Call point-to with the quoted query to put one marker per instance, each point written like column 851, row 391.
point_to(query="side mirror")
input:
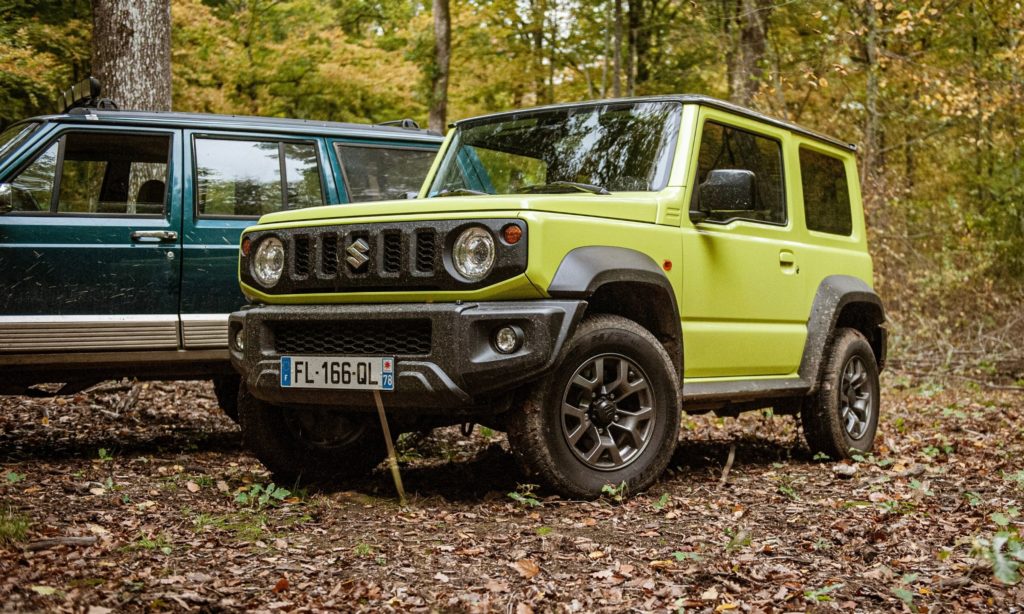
column 6, row 198
column 725, row 190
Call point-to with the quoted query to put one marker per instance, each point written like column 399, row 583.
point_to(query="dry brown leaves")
column 151, row 523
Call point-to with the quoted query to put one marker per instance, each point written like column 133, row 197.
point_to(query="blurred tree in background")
column 932, row 91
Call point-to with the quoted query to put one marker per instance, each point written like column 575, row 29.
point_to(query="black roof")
column 200, row 121
column 706, row 101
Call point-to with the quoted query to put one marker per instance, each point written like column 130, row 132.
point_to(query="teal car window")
column 99, row 172
column 722, row 147
column 382, row 173
column 826, row 193
column 114, row 173
column 14, row 136
column 622, row 146
column 32, row 189
column 238, row 177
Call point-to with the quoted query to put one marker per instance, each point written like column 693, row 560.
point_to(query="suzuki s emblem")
column 357, row 254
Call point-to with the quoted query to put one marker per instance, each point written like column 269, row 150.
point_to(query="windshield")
column 622, row 146
column 14, row 136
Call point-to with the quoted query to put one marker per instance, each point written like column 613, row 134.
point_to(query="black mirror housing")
column 727, row 190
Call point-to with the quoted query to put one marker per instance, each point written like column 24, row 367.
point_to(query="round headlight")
column 268, row 263
column 473, row 254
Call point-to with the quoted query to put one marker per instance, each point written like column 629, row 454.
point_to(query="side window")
column 826, row 193
column 237, row 177
column 722, row 147
column 382, row 173
column 99, row 172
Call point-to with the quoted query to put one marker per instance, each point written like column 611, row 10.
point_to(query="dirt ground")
column 125, row 498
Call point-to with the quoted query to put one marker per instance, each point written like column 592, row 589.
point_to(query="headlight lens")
column 268, row 263
column 473, row 254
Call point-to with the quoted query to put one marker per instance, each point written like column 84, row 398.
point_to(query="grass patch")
column 13, row 527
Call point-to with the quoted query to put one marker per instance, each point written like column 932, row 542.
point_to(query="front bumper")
column 459, row 370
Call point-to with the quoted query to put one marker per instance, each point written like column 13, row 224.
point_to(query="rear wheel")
column 608, row 414
column 310, row 445
column 841, row 419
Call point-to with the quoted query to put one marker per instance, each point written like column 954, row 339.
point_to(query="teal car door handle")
column 154, row 236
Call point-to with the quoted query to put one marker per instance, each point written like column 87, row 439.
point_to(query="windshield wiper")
column 563, row 186
column 460, row 192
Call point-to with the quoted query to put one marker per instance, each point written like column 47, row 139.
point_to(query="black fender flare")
column 584, row 270
column 834, row 294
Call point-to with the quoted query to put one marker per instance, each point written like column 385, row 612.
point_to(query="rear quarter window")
column 826, row 193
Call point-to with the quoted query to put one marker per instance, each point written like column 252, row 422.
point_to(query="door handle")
column 787, row 262
column 154, row 236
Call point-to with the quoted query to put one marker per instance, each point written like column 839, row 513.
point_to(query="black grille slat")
column 302, row 256
column 426, row 248
column 392, row 258
column 353, row 338
column 329, row 255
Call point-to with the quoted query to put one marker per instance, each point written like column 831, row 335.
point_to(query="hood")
column 631, row 206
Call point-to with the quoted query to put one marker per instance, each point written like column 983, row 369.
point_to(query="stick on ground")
column 392, row 457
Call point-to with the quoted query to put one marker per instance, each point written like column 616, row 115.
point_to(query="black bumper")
column 456, row 369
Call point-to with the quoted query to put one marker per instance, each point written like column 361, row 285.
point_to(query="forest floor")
column 126, row 498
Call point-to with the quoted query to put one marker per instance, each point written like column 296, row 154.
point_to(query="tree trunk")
column 617, row 63
column 870, row 160
column 442, row 59
column 131, row 52
column 746, row 62
column 640, row 41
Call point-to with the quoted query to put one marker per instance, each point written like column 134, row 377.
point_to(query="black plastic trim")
column 461, row 371
column 835, row 293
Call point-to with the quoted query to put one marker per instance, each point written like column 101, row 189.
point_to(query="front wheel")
column 608, row 414
column 840, row 420
column 310, row 445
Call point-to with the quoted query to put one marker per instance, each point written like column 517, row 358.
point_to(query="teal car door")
column 90, row 243
column 233, row 179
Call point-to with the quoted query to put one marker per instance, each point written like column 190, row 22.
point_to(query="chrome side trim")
column 90, row 332
column 204, row 330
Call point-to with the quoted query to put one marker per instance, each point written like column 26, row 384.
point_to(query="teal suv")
column 119, row 231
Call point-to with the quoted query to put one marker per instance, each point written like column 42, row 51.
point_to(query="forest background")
column 932, row 92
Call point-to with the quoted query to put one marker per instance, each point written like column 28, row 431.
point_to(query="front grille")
column 302, row 256
column 392, row 252
column 353, row 338
column 425, row 251
column 382, row 257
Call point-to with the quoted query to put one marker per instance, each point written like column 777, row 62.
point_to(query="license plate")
column 338, row 372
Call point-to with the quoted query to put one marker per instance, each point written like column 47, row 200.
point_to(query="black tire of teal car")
column 608, row 413
column 841, row 418
column 225, row 388
column 310, row 446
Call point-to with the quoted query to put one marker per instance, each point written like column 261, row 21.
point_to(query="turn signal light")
column 511, row 234
column 246, row 246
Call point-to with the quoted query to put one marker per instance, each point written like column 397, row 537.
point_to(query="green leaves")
column 259, row 496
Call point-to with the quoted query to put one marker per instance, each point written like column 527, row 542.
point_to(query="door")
column 743, row 309
column 90, row 252
column 234, row 179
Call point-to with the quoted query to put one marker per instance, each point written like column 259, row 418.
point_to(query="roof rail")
column 84, row 94
column 402, row 123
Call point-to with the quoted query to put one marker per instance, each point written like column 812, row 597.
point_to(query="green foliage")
column 148, row 542
column 104, row 455
column 661, row 502
column 14, row 477
column 525, row 495
column 821, row 594
column 259, row 496
column 615, row 493
column 13, row 527
column 1004, row 552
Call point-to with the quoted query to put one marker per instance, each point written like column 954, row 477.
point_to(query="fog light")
column 240, row 340
column 508, row 339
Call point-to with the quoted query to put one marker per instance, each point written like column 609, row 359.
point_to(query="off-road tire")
column 272, row 433
column 535, row 430
column 825, row 428
column 225, row 388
